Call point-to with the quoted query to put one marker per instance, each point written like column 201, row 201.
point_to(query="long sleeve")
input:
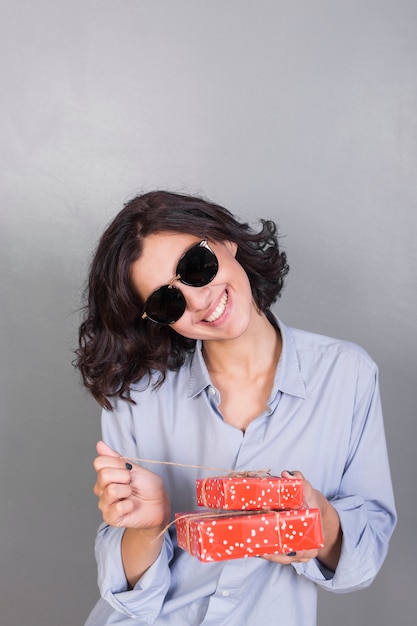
column 145, row 600
column 364, row 501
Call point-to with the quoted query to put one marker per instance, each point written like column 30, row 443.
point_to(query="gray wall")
column 300, row 110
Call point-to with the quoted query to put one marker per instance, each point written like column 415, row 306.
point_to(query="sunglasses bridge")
column 170, row 285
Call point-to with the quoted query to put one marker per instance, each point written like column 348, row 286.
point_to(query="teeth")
column 219, row 310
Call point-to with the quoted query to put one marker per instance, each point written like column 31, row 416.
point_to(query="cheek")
column 184, row 326
column 241, row 282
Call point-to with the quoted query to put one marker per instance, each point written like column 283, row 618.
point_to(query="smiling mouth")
column 219, row 310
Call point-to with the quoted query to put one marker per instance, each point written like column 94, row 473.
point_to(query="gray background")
column 299, row 110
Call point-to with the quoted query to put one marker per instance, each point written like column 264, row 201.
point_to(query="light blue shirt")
column 323, row 418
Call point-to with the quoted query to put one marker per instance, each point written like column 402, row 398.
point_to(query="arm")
column 363, row 500
column 134, row 499
column 359, row 513
column 133, row 567
column 329, row 555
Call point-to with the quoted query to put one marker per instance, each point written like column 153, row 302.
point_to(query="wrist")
column 329, row 555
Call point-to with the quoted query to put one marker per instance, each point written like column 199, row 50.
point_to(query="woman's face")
column 222, row 309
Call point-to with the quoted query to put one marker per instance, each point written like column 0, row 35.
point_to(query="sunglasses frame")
column 181, row 299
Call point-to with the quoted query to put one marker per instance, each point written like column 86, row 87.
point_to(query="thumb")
column 291, row 474
column 104, row 450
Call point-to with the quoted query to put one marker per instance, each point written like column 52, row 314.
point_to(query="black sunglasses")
column 196, row 268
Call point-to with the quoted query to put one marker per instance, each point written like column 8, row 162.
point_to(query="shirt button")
column 225, row 593
column 212, row 391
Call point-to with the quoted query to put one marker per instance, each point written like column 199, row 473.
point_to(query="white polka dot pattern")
column 220, row 536
column 250, row 493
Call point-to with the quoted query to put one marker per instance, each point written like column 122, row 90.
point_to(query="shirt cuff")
column 361, row 555
column 144, row 601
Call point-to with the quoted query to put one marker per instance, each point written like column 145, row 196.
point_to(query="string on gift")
column 237, row 473
column 189, row 517
column 209, row 515
column 261, row 474
column 289, row 533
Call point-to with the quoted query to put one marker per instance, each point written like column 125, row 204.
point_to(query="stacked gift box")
column 248, row 515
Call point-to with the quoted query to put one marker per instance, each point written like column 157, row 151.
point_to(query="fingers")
column 109, row 475
column 104, row 450
column 115, row 511
column 111, row 462
column 311, row 496
column 114, row 503
column 293, row 557
column 292, row 474
column 113, row 487
column 107, row 457
column 112, row 493
column 113, row 476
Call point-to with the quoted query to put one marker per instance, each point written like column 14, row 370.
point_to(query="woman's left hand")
column 330, row 553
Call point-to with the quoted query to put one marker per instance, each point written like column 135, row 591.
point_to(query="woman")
column 193, row 371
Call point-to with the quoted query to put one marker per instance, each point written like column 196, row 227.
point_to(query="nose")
column 197, row 298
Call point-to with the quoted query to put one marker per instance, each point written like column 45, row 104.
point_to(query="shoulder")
column 315, row 347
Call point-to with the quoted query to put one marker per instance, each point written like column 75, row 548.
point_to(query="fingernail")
column 290, row 473
column 129, row 466
column 291, row 554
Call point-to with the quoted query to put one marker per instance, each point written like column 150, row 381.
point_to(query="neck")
column 257, row 350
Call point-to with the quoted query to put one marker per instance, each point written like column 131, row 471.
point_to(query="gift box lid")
column 250, row 492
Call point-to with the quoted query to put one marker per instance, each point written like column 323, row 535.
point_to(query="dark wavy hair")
column 116, row 347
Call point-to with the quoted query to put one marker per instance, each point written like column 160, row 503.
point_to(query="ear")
column 231, row 246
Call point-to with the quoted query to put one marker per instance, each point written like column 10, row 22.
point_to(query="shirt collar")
column 199, row 376
column 288, row 377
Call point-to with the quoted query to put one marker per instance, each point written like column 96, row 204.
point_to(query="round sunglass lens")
column 165, row 305
column 198, row 266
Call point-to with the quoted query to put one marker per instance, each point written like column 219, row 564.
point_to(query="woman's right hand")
column 129, row 498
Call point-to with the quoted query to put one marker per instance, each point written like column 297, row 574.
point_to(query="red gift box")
column 220, row 537
column 250, row 493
